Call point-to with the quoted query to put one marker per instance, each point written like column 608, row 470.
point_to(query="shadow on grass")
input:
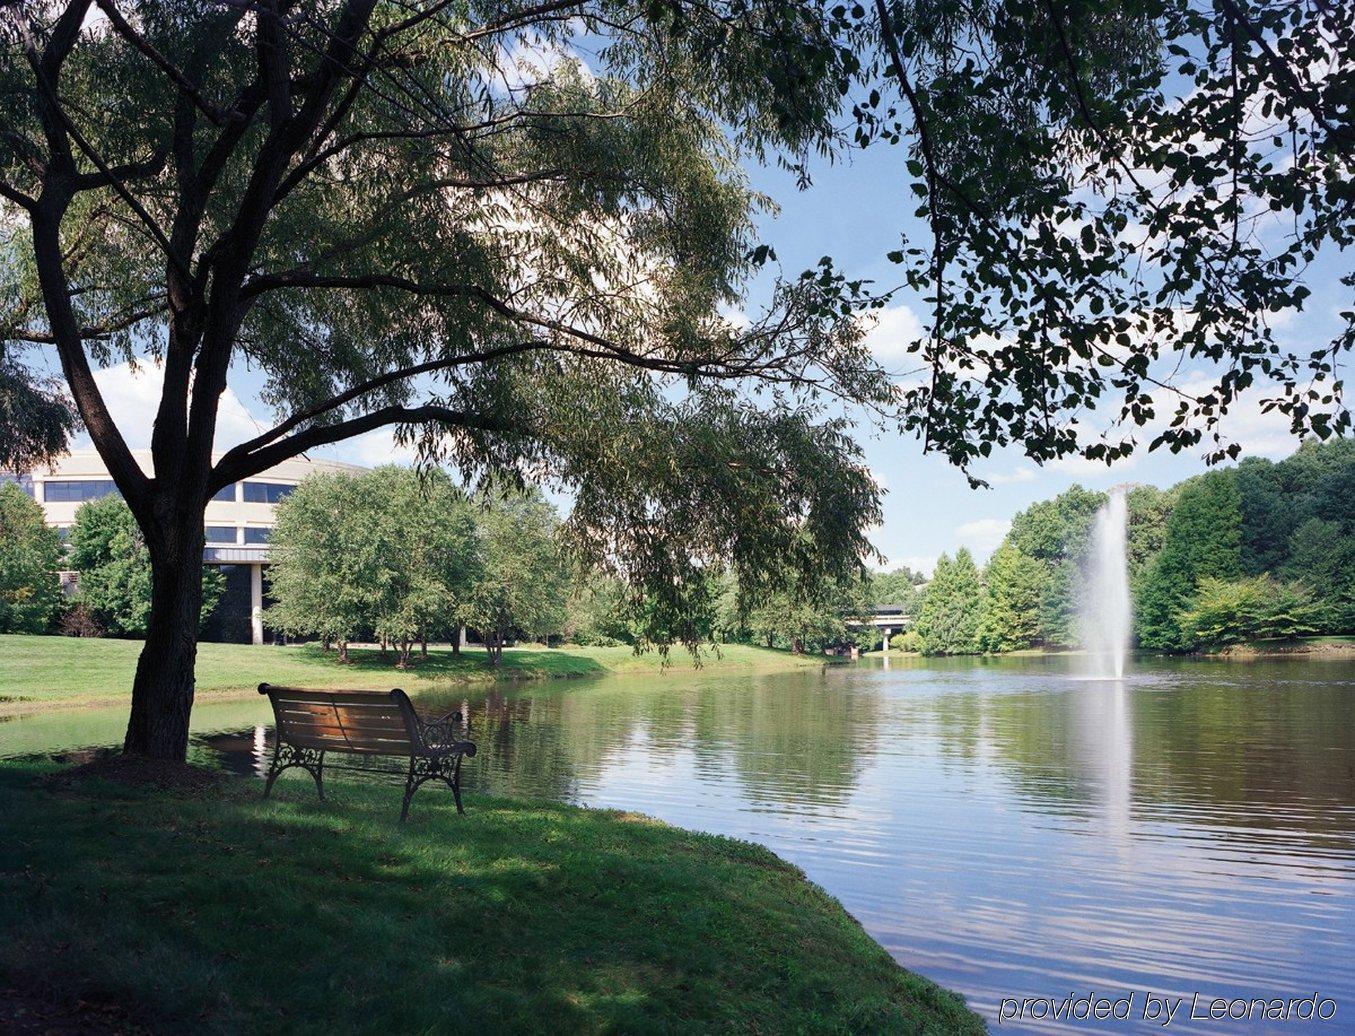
column 228, row 913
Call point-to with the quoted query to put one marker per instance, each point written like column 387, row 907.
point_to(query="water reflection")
column 999, row 826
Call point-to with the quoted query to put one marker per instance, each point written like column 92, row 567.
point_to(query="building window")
column 221, row 534
column 227, row 494
column 266, row 492
column 256, row 535
column 24, row 482
column 77, row 491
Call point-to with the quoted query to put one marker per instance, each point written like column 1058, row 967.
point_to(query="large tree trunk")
column 162, row 693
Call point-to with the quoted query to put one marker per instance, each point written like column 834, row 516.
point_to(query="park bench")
column 311, row 722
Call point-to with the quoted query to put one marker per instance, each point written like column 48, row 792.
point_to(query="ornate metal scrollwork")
column 286, row 755
column 423, row 768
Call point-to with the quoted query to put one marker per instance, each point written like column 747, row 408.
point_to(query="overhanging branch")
column 240, row 463
column 390, row 378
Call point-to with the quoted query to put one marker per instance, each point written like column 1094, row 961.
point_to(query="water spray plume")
column 1106, row 613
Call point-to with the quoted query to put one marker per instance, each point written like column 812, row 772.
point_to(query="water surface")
column 999, row 826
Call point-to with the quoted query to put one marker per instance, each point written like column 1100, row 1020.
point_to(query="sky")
column 854, row 211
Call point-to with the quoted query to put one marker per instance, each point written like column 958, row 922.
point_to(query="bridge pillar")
column 884, row 644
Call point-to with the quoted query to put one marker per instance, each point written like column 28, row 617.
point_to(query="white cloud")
column 133, row 396
column 1088, row 470
column 737, row 317
column 1020, row 473
column 1259, row 433
column 533, row 60
column 892, row 330
column 983, row 535
column 373, row 450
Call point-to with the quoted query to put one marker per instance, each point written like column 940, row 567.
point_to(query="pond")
column 1000, row 826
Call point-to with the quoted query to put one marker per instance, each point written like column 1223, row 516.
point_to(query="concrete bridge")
column 887, row 618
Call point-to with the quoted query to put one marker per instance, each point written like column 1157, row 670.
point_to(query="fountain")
column 1106, row 608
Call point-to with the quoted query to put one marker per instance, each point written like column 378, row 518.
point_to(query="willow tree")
column 507, row 230
column 1122, row 202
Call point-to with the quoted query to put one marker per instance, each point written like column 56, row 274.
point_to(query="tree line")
column 1262, row 550
column 1259, row 551
column 403, row 556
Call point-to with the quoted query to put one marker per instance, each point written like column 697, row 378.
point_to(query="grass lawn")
column 220, row 912
column 37, row 672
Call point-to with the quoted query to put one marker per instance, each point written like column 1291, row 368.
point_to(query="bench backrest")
column 367, row 722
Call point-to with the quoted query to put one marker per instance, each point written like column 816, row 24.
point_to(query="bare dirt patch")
column 140, row 772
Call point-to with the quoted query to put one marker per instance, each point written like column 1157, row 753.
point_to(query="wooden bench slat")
column 329, row 727
column 338, row 744
column 393, row 737
column 320, row 695
column 335, row 717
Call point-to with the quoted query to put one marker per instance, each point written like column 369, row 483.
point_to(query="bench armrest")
column 441, row 734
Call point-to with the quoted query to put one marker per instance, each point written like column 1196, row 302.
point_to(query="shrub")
column 1260, row 608
column 908, row 640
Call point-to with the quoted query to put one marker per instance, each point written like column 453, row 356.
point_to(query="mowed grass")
column 220, row 912
column 51, row 671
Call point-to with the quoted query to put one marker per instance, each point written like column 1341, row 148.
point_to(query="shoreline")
column 1308, row 649
column 40, row 674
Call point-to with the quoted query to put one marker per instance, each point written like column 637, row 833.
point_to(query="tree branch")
column 372, row 385
column 185, row 85
column 1285, row 74
column 236, row 464
column 89, row 401
column 24, row 334
column 17, row 196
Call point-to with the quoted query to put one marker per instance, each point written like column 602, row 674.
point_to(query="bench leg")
column 456, row 785
column 425, row 768
column 411, row 786
column 286, row 756
column 273, row 770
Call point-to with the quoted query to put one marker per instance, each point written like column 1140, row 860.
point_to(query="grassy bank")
column 1298, row 647
column 41, row 672
column 221, row 912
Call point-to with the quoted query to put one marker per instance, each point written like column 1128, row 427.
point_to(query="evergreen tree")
column 1203, row 540
column 1056, row 533
column 1013, row 588
column 949, row 620
column 1322, row 556
column 30, row 555
column 1148, row 509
